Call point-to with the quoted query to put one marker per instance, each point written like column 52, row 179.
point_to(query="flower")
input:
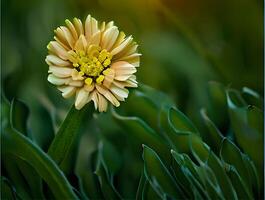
column 94, row 61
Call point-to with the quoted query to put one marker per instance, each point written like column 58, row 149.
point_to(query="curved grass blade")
column 217, row 101
column 213, row 136
column 156, row 172
column 247, row 123
column 140, row 132
column 15, row 176
column 107, row 188
column 215, row 164
column 7, row 190
column 19, row 113
column 231, row 155
column 239, row 185
column 18, row 145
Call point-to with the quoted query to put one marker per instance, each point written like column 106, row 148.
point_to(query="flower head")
column 92, row 61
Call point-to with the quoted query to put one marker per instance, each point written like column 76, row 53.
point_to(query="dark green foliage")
column 178, row 160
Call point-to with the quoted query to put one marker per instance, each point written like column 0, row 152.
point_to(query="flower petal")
column 58, row 50
column 122, row 46
column 121, row 92
column 91, row 27
column 58, row 81
column 81, row 43
column 109, row 77
column 76, row 83
column 94, row 97
column 109, row 37
column 131, row 82
column 76, row 76
column 67, row 91
column 61, row 72
column 55, row 60
column 102, row 103
column 95, row 39
column 68, row 36
column 72, row 29
column 89, row 88
column 106, row 93
column 81, row 98
column 123, row 70
column 78, row 26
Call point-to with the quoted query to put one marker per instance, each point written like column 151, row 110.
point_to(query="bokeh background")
column 185, row 44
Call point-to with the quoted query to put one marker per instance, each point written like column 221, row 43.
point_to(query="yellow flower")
column 92, row 61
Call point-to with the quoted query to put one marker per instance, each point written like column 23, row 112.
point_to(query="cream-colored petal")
column 120, row 84
column 94, row 97
column 121, row 92
column 76, row 76
column 109, row 25
column 105, row 26
column 119, row 40
column 130, row 48
column 122, row 77
column 131, row 82
column 57, row 81
column 58, row 50
column 78, row 26
column 109, row 37
column 132, row 56
column 67, row 91
column 55, row 60
column 76, row 83
column 102, row 103
column 63, row 44
column 95, row 39
column 68, row 36
column 134, row 61
column 60, row 35
column 106, row 93
column 122, row 46
column 89, row 88
column 81, row 98
column 61, row 72
column 109, row 77
column 123, row 70
column 81, row 43
column 91, row 27
column 123, row 66
column 72, row 29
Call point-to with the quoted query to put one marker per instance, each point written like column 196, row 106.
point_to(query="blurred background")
column 185, row 44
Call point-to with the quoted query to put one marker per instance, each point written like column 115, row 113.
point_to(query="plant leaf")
column 239, row 185
column 213, row 136
column 18, row 145
column 140, row 132
column 231, row 155
column 7, row 190
column 245, row 123
column 19, row 116
column 156, row 172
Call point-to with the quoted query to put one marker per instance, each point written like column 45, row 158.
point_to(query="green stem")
column 64, row 146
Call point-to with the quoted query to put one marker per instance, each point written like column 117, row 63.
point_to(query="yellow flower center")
column 91, row 63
